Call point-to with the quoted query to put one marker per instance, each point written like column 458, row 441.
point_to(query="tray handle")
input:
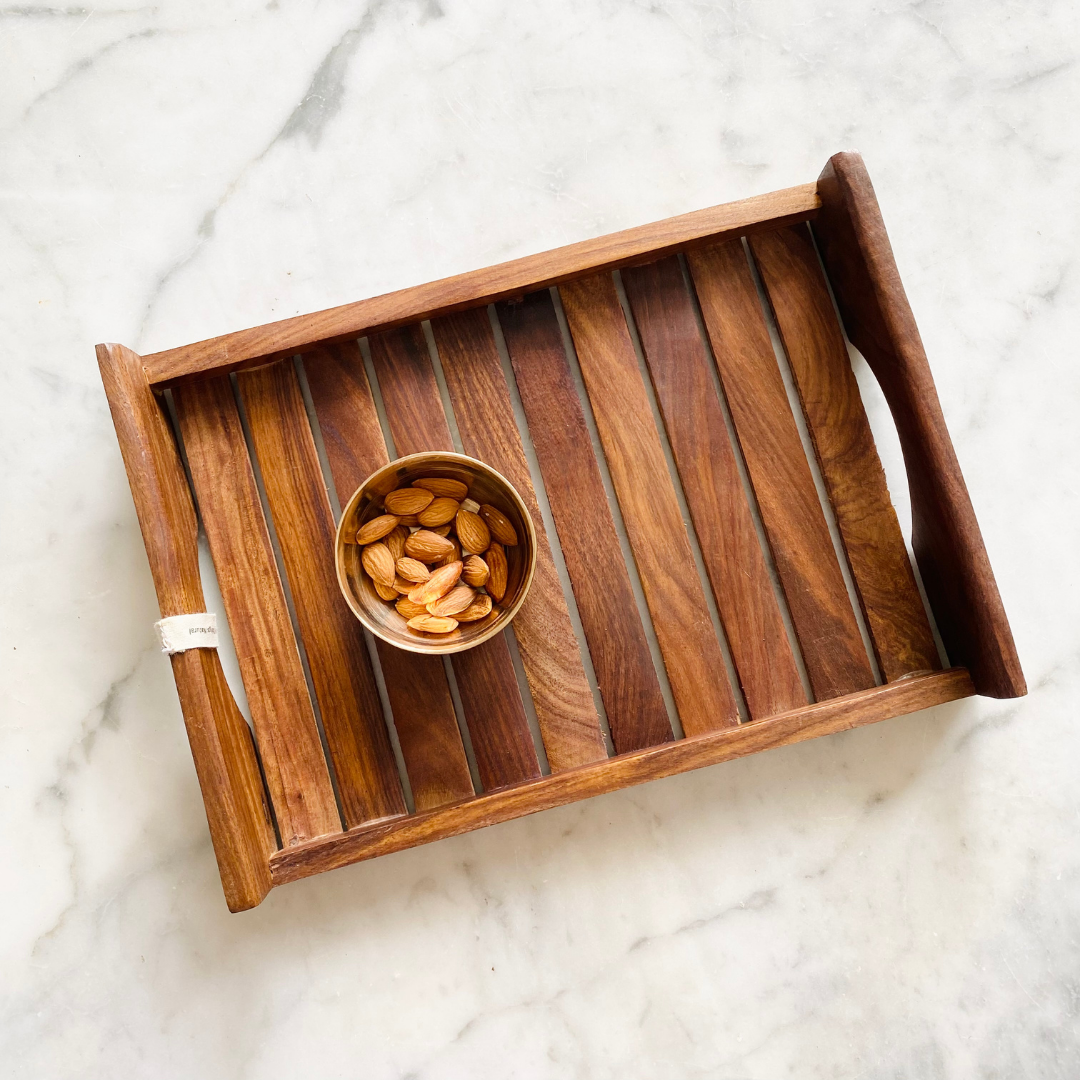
column 221, row 743
column 946, row 538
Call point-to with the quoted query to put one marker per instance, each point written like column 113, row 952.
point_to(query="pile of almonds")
column 437, row 555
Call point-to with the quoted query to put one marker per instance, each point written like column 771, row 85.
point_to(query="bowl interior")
column 485, row 486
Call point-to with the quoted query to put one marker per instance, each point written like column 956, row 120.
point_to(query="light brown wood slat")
column 490, row 696
column 569, row 724
column 353, row 723
column 237, row 811
column 802, row 548
column 679, row 365
column 416, row 685
column 635, row 456
column 620, row 653
column 281, row 711
column 808, row 722
column 408, row 306
column 836, row 419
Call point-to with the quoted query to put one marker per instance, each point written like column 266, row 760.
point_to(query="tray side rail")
column 221, row 744
column 946, row 538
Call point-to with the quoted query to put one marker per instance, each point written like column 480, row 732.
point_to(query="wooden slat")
column 680, row 368
column 569, row 724
column 303, row 332
column 416, row 685
column 808, row 722
column 802, row 548
column 945, row 533
column 620, row 653
column 490, row 696
column 262, row 632
column 624, row 419
column 836, row 420
column 221, row 745
column 341, row 673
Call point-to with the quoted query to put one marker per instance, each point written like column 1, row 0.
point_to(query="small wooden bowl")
column 485, row 486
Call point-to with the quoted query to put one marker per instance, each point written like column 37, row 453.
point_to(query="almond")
column 439, row 512
column 408, row 500
column 472, row 532
column 408, row 610
column 480, row 608
column 495, row 557
column 440, row 583
column 395, row 541
column 379, row 564
column 442, row 530
column 432, row 624
column 452, row 556
column 457, row 599
column 443, row 487
column 377, row 528
column 412, row 569
column 386, row 593
column 427, row 546
column 475, row 571
column 403, row 586
column 410, row 521
column 471, row 505
column 499, row 524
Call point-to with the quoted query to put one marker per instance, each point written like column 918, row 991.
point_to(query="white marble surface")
column 900, row 901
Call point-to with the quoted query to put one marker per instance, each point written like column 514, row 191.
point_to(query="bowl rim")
column 420, row 646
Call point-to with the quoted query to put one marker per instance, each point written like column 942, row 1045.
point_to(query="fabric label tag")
column 178, row 633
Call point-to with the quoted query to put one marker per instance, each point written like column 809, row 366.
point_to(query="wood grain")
column 487, row 683
column 569, row 724
column 946, row 538
column 654, row 525
column 262, row 633
column 832, row 647
column 679, row 365
column 808, row 722
column 899, row 629
column 232, row 789
column 349, row 321
column 416, row 685
column 352, row 718
column 620, row 654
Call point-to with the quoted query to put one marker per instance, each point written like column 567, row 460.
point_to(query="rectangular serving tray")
column 669, row 320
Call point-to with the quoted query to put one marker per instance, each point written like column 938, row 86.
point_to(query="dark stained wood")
column 490, row 696
column 568, row 721
column 859, row 263
column 835, row 417
column 349, row 321
column 802, row 548
column 340, row 668
column 679, row 365
column 416, row 685
column 620, row 653
column 281, row 711
column 946, row 538
column 232, row 789
column 680, row 614
column 808, row 722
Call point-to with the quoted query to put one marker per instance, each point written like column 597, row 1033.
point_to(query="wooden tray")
column 319, row 785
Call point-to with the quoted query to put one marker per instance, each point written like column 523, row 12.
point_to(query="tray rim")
column 948, row 543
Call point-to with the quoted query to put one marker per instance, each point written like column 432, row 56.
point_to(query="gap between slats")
column 811, row 458
column 511, row 640
column 615, row 510
column 369, row 640
column 680, row 495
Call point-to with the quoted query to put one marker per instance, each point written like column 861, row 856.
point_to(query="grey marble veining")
column 898, row 901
